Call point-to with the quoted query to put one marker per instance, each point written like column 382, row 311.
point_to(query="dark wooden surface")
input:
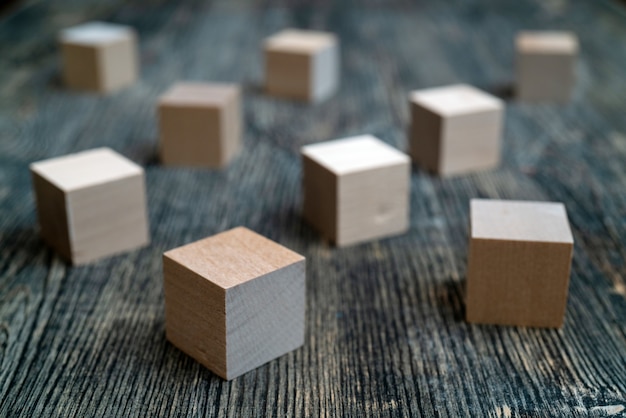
column 385, row 332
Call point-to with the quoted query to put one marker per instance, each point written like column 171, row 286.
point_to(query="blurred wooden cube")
column 546, row 65
column 91, row 204
column 200, row 124
column 519, row 263
column 302, row 65
column 356, row 189
column 455, row 129
column 99, row 56
column 234, row 301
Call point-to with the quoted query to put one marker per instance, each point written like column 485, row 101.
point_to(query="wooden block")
column 200, row 124
column 234, row 301
column 91, row 204
column 356, row 189
column 99, row 56
column 519, row 263
column 302, row 65
column 455, row 129
column 546, row 65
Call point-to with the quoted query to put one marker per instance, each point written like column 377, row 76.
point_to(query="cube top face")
column 547, row 42
column 233, row 257
column 510, row 220
column 354, row 154
column 86, row 169
column 455, row 100
column 199, row 94
column 96, row 34
column 299, row 41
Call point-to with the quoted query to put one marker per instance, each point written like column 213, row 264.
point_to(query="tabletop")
column 385, row 330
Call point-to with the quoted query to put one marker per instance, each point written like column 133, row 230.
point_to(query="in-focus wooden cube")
column 234, row 301
column 356, row 189
column 455, row 129
column 519, row 263
column 99, row 56
column 200, row 124
column 302, row 65
column 546, row 64
column 91, row 204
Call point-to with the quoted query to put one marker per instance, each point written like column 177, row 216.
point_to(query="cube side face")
column 373, row 204
column 425, row 137
column 548, row 77
column 81, row 67
column 107, row 219
column 52, row 215
column 265, row 318
column 118, row 64
column 230, row 130
column 190, row 136
column 518, row 283
column 289, row 74
column 195, row 316
column 320, row 198
column 471, row 142
column 326, row 73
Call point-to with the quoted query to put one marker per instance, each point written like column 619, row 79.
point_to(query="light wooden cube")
column 200, row 124
column 546, row 65
column 91, row 204
column 234, row 301
column 99, row 56
column 302, row 65
column 519, row 263
column 356, row 189
column 455, row 129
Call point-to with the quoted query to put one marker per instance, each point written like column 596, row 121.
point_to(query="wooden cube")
column 234, row 301
column 546, row 65
column 99, row 56
column 200, row 124
column 302, row 65
column 455, row 129
column 356, row 189
column 519, row 263
column 91, row 204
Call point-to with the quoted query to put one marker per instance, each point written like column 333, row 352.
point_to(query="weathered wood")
column 385, row 332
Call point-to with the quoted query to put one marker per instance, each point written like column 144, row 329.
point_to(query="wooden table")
column 385, row 330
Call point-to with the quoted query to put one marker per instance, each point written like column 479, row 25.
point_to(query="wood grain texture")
column 520, row 254
column 234, row 301
column 385, row 330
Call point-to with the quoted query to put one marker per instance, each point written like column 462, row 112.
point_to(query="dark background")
column 385, row 332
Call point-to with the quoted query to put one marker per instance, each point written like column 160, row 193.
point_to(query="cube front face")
column 199, row 125
column 356, row 189
column 107, row 219
column 301, row 65
column 547, row 77
column 119, row 64
column 519, row 263
column 518, row 283
column 455, row 130
column 234, row 301
column 91, row 204
column 81, row 67
column 265, row 318
column 373, row 204
column 195, row 316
